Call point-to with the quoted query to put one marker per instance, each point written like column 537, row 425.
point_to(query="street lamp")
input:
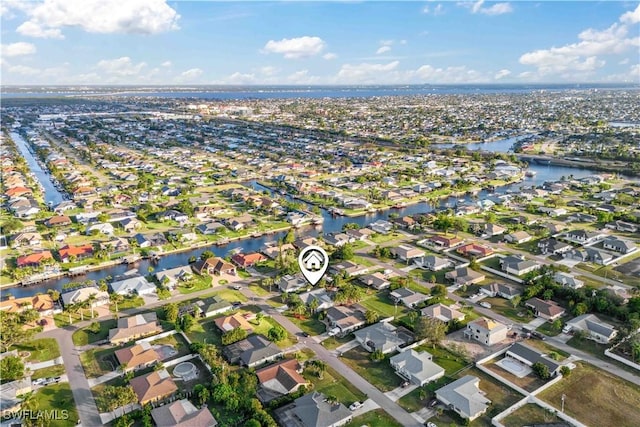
column 563, row 397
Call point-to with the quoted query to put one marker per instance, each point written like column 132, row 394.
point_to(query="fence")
column 502, row 274
column 156, row 337
column 621, row 359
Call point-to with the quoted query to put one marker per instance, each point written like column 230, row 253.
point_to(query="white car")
column 485, row 304
column 355, row 405
column 430, row 424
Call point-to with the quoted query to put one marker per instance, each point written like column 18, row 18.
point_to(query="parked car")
column 485, row 304
column 355, row 405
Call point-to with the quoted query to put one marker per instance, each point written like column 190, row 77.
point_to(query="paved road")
column 85, row 403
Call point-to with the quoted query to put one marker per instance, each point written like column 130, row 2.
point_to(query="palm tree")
column 313, row 305
column 116, row 298
column 321, row 367
column 54, row 294
column 91, row 301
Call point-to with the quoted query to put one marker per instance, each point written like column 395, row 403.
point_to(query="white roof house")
column 594, row 328
column 464, row 397
column 416, row 367
column 133, row 285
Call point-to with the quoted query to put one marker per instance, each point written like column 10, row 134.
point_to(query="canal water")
column 51, row 194
column 331, row 224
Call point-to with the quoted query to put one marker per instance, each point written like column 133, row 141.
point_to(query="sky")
column 144, row 42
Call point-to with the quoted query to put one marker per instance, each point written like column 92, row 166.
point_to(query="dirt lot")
column 475, row 349
column 597, row 398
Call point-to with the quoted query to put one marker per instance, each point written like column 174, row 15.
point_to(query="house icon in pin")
column 313, row 261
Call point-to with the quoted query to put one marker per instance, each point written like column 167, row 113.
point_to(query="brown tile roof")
column 34, row 258
column 236, row 320
column 285, row 372
column 153, row 386
column 139, row 354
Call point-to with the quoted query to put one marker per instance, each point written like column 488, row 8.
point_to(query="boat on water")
column 530, row 173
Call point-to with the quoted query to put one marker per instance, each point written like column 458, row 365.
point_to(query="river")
column 331, row 224
column 51, row 194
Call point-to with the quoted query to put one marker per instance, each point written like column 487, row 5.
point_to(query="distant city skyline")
column 109, row 42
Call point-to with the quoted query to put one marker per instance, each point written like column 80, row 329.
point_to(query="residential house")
column 69, row 253
column 173, row 276
column 464, row 397
column 376, row 280
column 27, row 239
column 182, row 413
column 529, row 356
column 134, row 327
column 589, row 254
column 210, row 228
column 407, row 253
column 323, row 299
column 583, row 237
column 517, row 265
column 338, row 239
column 153, row 387
column 104, row 228
column 213, row 306
column 273, row 251
column 137, row 356
column 248, row 260
column 348, row 267
column 292, row 283
column 381, row 226
column 548, row 310
column 408, row 297
column 474, row 250
column 625, row 226
column 79, row 295
column 137, row 285
column 130, row 224
column 58, row 221
column 342, row 320
column 34, row 260
column 229, row 323
column 116, row 245
column 517, row 237
column 11, row 397
column 381, row 336
column 313, row 410
column 43, row 304
column 500, row 289
column 252, row 351
column 490, row 230
column 486, row 331
column 418, row 368
column 464, row 276
column 406, row 222
column 443, row 313
column 150, row 240
column 280, row 379
column 569, row 280
column 553, row 246
column 443, row 242
column 214, row 265
column 433, row 262
column 594, row 328
column 617, row 244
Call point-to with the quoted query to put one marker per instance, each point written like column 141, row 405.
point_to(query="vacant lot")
column 530, row 414
column 58, row 397
column 377, row 418
column 40, row 350
column 379, row 373
column 84, row 336
column 333, row 384
column 99, row 361
column 597, row 398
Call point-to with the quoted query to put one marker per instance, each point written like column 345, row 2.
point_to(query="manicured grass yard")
column 530, row 414
column 381, row 303
column 588, row 346
column 333, row 384
column 197, row 283
column 504, row 307
column 379, row 238
column 263, row 329
column 376, row 418
column 84, row 336
column 379, row 373
column 177, row 341
column 444, row 358
column 259, row 289
column 40, row 350
column 129, row 302
column 596, row 397
column 207, row 331
column 310, row 325
column 547, row 329
column 58, row 397
column 334, row 342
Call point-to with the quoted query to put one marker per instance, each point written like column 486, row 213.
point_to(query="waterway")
column 51, row 194
column 331, row 224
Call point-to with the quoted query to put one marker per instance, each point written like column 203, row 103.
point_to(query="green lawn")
column 334, row 384
column 259, row 290
column 381, row 303
column 205, row 331
column 376, row 418
column 504, row 307
column 444, row 358
column 267, row 323
column 310, row 325
column 51, row 371
column 379, row 373
column 58, row 397
column 129, row 302
column 98, row 361
column 334, row 342
column 84, row 336
column 197, row 283
column 500, row 395
column 40, row 350
column 379, row 238
column 547, row 329
column 530, row 414
column 177, row 341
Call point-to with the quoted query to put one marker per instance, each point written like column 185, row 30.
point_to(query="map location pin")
column 313, row 261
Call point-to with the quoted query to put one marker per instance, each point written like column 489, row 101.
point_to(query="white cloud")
column 302, row 77
column 631, row 17
column 17, row 49
column 167, row 64
column 460, row 74
column 436, row 11
column 625, row 61
column 299, row 47
column 502, row 74
column 47, row 19
column 120, row 67
column 329, row 56
column 494, row 9
column 383, row 49
column 23, row 70
column 191, row 74
column 365, row 72
column 268, row 70
column 583, row 55
column 240, row 79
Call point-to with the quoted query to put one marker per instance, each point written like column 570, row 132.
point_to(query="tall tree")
column 430, row 329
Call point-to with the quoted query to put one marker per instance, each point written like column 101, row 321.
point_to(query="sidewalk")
column 46, row 364
column 348, row 346
column 399, row 392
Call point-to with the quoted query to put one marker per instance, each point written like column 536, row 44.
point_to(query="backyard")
column 596, row 397
column 529, row 382
column 375, row 418
column 84, row 336
column 333, row 384
column 530, row 414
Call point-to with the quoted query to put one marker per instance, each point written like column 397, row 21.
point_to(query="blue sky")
column 331, row 42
